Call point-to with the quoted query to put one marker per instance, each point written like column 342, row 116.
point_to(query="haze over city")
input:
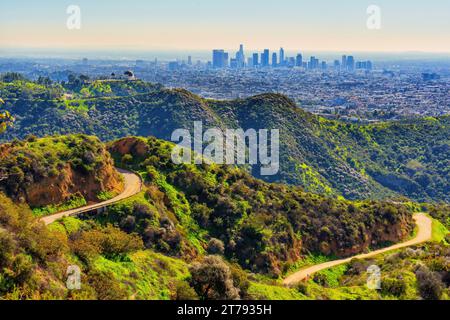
column 203, row 25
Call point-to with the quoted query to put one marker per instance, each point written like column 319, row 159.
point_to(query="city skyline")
column 201, row 25
column 222, row 59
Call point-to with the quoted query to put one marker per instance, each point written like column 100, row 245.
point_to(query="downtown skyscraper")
column 255, row 59
column 282, row 57
column 219, row 59
column 240, row 57
column 265, row 58
column 274, row 60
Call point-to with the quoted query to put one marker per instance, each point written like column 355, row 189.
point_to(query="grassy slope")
column 147, row 275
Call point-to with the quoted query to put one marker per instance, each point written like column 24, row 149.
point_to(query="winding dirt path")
column 424, row 225
column 133, row 185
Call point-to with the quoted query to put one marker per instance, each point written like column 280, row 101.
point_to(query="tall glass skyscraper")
column 274, row 60
column 265, row 58
column 344, row 63
column 350, row 63
column 240, row 57
column 219, row 59
column 255, row 59
column 282, row 57
column 299, row 60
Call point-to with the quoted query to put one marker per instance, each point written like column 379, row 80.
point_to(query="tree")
column 127, row 159
column 116, row 243
column 240, row 280
column 6, row 249
column 430, row 285
column 84, row 78
column 184, row 292
column 6, row 119
column 393, row 286
column 105, row 286
column 12, row 76
column 46, row 81
column 212, row 279
column 215, row 246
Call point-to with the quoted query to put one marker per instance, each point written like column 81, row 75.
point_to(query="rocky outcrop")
column 52, row 170
column 70, row 182
column 137, row 147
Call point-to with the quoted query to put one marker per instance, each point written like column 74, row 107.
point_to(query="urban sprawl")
column 346, row 88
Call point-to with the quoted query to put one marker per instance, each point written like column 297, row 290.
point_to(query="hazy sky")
column 328, row 25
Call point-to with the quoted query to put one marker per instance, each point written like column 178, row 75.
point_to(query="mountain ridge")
column 357, row 161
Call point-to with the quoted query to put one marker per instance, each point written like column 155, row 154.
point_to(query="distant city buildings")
column 255, row 60
column 274, row 60
column 366, row 65
column 337, row 65
column 430, row 76
column 345, row 87
column 299, row 60
column 173, row 66
column 265, row 58
column 313, row 63
column 350, row 63
column 220, row 60
column 282, row 57
column 240, row 57
column 344, row 63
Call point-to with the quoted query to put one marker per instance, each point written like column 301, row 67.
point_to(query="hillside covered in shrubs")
column 264, row 227
column 191, row 226
column 420, row 273
column 358, row 161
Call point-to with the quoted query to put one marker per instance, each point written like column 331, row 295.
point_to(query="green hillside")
column 188, row 220
column 356, row 161
column 264, row 226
